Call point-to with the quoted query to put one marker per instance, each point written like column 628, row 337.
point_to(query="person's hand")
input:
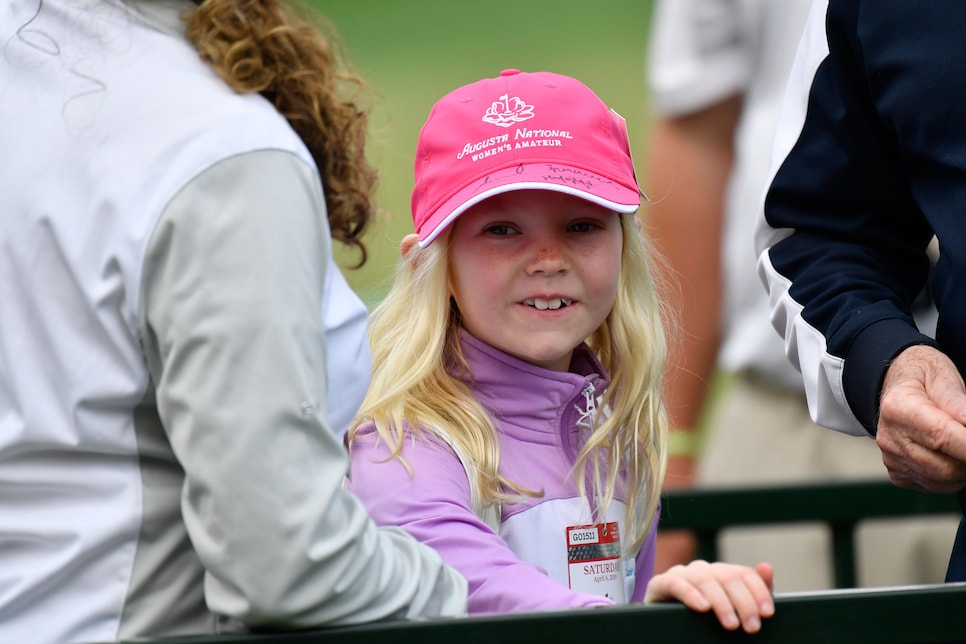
column 922, row 412
column 738, row 595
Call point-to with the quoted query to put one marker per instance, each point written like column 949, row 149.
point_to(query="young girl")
column 514, row 419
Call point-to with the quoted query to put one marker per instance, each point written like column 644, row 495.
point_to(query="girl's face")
column 535, row 272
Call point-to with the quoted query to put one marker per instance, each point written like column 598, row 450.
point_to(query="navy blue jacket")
column 875, row 168
column 869, row 163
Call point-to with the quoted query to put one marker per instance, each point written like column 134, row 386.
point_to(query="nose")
column 548, row 258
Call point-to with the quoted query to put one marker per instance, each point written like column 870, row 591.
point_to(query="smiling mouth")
column 543, row 305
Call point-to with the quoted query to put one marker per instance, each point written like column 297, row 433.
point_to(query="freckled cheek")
column 475, row 281
column 608, row 276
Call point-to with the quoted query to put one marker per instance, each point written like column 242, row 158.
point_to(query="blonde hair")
column 271, row 48
column 414, row 334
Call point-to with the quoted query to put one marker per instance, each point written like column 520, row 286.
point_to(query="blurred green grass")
column 413, row 52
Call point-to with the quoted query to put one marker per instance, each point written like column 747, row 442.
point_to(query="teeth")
column 543, row 305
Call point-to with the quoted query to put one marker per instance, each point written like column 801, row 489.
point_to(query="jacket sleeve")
column 234, row 338
column 433, row 504
column 866, row 158
column 644, row 563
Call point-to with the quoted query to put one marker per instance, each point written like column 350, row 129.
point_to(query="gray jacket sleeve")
column 232, row 290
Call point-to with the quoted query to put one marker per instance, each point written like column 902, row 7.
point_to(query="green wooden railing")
column 917, row 614
column 920, row 614
column 841, row 505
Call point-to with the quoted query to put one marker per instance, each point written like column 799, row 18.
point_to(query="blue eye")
column 499, row 229
column 582, row 227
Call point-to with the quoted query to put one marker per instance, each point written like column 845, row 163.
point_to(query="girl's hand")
column 739, row 595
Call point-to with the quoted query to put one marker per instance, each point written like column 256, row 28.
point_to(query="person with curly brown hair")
column 179, row 354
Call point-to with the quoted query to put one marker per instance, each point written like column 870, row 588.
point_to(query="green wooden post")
column 843, row 554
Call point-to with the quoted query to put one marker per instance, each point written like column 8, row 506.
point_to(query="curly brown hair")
column 293, row 58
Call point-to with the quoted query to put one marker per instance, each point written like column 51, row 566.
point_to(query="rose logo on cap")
column 507, row 111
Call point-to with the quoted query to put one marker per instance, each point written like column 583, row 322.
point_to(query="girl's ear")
column 407, row 244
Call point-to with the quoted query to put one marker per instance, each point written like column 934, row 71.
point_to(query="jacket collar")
column 533, row 398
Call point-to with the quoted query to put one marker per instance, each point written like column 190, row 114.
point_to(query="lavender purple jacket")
column 523, row 566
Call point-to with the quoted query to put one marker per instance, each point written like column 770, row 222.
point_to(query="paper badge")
column 594, row 561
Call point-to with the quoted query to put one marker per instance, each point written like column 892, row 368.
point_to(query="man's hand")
column 921, row 428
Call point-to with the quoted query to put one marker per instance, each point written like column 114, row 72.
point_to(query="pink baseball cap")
column 519, row 131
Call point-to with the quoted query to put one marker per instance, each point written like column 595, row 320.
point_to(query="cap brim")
column 538, row 176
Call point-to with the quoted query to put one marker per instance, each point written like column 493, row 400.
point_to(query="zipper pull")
column 590, row 407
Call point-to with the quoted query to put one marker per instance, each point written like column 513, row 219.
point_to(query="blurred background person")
column 717, row 71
